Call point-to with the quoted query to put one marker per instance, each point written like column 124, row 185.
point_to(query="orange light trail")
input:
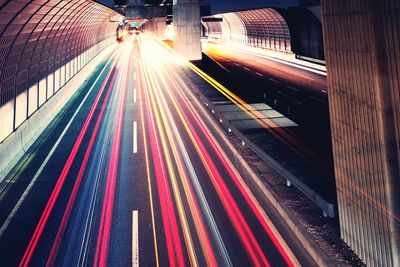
column 195, row 211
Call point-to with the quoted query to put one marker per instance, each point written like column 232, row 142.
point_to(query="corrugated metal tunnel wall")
column 265, row 28
column 43, row 44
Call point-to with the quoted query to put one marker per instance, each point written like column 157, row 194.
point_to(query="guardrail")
column 328, row 209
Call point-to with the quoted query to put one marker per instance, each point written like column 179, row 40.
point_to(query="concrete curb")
column 15, row 146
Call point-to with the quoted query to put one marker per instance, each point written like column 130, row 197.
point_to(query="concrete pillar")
column 363, row 61
column 187, row 28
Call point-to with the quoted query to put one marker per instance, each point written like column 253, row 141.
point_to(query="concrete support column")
column 363, row 62
column 187, row 28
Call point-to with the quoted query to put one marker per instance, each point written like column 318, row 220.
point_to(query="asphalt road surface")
column 299, row 92
column 133, row 172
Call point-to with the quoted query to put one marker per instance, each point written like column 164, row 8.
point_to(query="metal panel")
column 264, row 28
column 38, row 38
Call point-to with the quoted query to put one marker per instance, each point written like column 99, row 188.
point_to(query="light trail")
column 158, row 100
column 266, row 123
column 285, row 251
column 174, row 246
column 247, row 237
column 278, row 132
column 172, row 175
column 50, row 154
column 149, row 183
column 250, row 51
column 261, row 216
column 95, row 175
column 245, row 191
column 61, row 180
column 205, row 207
column 64, row 221
column 355, row 188
column 103, row 238
column 233, row 211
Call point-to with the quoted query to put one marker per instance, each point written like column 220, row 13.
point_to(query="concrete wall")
column 362, row 46
column 42, row 46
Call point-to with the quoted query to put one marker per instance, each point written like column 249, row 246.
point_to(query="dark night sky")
column 218, row 6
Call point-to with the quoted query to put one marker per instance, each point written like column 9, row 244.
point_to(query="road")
column 311, row 78
column 134, row 170
column 299, row 92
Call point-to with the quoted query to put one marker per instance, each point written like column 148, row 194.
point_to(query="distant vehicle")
column 132, row 27
column 120, row 35
column 121, row 32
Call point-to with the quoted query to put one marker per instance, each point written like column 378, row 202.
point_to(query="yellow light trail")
column 243, row 184
column 266, row 123
column 210, row 258
column 172, row 175
column 149, row 185
column 247, row 189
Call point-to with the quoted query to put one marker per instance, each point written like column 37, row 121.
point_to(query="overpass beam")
column 187, row 28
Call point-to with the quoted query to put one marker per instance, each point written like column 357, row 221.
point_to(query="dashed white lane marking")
column 292, row 88
column 273, row 80
column 134, row 95
column 246, row 68
column 236, row 64
column 317, row 99
column 135, row 239
column 135, row 150
column 259, row 74
column 323, row 91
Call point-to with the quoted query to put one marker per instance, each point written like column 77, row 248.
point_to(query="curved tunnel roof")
column 263, row 27
column 39, row 36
